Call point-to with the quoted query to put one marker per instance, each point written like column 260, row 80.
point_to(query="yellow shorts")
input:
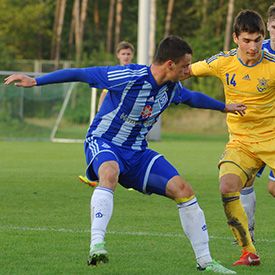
column 245, row 159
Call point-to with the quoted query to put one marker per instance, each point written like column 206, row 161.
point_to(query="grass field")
column 44, row 214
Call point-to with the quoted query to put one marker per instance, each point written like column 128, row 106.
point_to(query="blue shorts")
column 271, row 174
column 145, row 171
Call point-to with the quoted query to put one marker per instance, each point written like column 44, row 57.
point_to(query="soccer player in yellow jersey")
column 248, row 196
column 248, row 76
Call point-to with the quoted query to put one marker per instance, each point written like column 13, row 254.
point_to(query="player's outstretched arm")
column 20, row 80
column 235, row 108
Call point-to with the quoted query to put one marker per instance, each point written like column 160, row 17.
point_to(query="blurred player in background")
column 248, row 196
column 116, row 147
column 269, row 44
column 248, row 76
column 124, row 53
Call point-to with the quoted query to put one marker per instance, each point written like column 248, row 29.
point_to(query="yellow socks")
column 237, row 220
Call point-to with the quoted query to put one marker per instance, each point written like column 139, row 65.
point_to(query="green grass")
column 44, row 214
column 39, row 130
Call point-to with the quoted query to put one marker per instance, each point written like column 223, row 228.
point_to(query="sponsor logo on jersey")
column 146, row 123
column 246, row 77
column 262, row 85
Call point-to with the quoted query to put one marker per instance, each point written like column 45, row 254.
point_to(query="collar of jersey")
column 253, row 64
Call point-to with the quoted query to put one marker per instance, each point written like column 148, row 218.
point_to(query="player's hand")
column 20, row 80
column 235, row 108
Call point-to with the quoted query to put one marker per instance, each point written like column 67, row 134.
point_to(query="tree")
column 57, row 31
column 170, row 8
column 119, row 7
column 79, row 14
column 229, row 20
column 110, row 26
column 96, row 16
column 219, row 19
column 26, row 29
column 71, row 32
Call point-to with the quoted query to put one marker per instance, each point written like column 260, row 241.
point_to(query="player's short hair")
column 249, row 21
column 271, row 12
column 125, row 45
column 171, row 48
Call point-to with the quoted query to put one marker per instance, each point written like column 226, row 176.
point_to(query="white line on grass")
column 76, row 230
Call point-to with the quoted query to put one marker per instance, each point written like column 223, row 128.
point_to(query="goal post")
column 60, row 116
column 53, row 137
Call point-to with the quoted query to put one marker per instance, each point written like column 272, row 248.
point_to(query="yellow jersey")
column 252, row 85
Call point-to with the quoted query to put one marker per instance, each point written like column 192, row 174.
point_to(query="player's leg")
column 232, row 179
column 191, row 217
column 102, row 165
column 271, row 184
column 101, row 210
column 248, row 200
column 267, row 153
column 167, row 182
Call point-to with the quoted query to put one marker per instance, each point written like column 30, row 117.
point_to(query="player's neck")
column 159, row 74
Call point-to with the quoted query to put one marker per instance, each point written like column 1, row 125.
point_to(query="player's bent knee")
column 232, row 178
column 178, row 188
column 108, row 174
column 230, row 183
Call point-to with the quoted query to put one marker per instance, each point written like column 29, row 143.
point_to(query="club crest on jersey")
column 262, row 85
column 163, row 100
column 146, row 112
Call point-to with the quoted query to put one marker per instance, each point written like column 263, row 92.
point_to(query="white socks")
column 191, row 217
column 248, row 199
column 193, row 223
column 101, row 211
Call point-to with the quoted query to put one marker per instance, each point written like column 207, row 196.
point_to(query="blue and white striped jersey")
column 133, row 103
column 267, row 47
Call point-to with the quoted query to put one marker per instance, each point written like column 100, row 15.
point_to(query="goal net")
column 57, row 112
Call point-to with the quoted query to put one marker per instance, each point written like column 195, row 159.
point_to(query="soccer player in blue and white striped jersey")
column 269, row 44
column 116, row 147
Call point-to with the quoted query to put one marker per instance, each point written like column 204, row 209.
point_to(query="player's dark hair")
column 171, row 48
column 271, row 12
column 249, row 21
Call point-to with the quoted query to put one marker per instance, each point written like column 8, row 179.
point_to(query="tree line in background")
column 79, row 29
column 86, row 31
